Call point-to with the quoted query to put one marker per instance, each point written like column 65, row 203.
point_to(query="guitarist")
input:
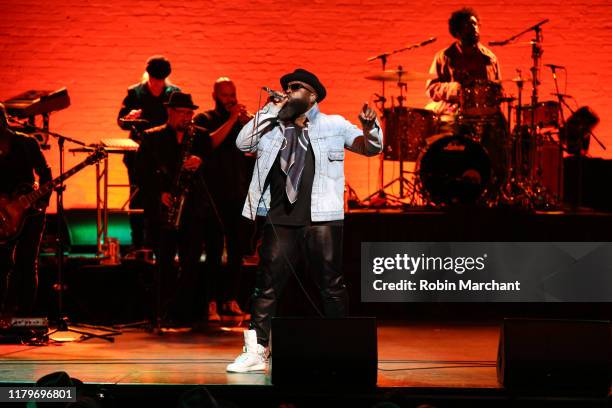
column 20, row 158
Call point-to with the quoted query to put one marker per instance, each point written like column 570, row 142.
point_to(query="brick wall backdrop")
column 97, row 48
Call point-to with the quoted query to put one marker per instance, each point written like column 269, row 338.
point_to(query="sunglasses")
column 296, row 87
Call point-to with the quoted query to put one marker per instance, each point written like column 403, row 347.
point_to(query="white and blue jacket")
column 329, row 135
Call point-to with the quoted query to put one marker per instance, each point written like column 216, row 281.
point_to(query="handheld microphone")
column 274, row 94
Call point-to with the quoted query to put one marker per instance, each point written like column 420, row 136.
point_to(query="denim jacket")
column 329, row 135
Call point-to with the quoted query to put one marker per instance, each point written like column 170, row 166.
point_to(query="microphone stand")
column 561, row 99
column 536, row 55
column 514, row 37
column 383, row 59
column 62, row 319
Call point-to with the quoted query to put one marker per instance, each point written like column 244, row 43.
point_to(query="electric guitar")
column 14, row 208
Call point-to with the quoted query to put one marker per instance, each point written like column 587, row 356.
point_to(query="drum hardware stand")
column 403, row 181
column 382, row 99
column 63, row 324
column 520, row 188
column 381, row 190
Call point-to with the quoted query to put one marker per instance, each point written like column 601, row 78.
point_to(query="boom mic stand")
column 62, row 319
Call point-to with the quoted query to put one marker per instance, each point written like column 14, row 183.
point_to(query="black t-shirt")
column 282, row 212
column 227, row 170
column 18, row 166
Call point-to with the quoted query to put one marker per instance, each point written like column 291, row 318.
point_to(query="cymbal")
column 515, row 80
column 400, row 76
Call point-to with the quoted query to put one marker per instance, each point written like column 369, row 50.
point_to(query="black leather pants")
column 321, row 247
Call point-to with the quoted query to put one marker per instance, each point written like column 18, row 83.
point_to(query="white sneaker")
column 254, row 356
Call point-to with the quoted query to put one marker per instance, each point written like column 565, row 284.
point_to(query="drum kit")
column 479, row 156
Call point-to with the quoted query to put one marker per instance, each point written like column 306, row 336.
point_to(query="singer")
column 462, row 63
column 298, row 185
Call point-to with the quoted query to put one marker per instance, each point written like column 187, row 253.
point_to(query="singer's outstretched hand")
column 367, row 116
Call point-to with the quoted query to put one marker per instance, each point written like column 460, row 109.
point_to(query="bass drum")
column 454, row 170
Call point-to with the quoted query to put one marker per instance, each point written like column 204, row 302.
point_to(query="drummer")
column 464, row 61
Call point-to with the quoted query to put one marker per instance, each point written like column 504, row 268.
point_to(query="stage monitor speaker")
column 325, row 352
column 554, row 357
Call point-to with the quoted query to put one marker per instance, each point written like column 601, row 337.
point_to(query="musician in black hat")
column 163, row 154
column 298, row 186
column 143, row 108
column 20, row 159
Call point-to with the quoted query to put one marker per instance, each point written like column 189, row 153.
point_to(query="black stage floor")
column 442, row 364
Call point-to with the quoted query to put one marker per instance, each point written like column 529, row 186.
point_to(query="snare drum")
column 480, row 98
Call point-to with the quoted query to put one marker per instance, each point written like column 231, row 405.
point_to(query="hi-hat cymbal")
column 400, row 76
